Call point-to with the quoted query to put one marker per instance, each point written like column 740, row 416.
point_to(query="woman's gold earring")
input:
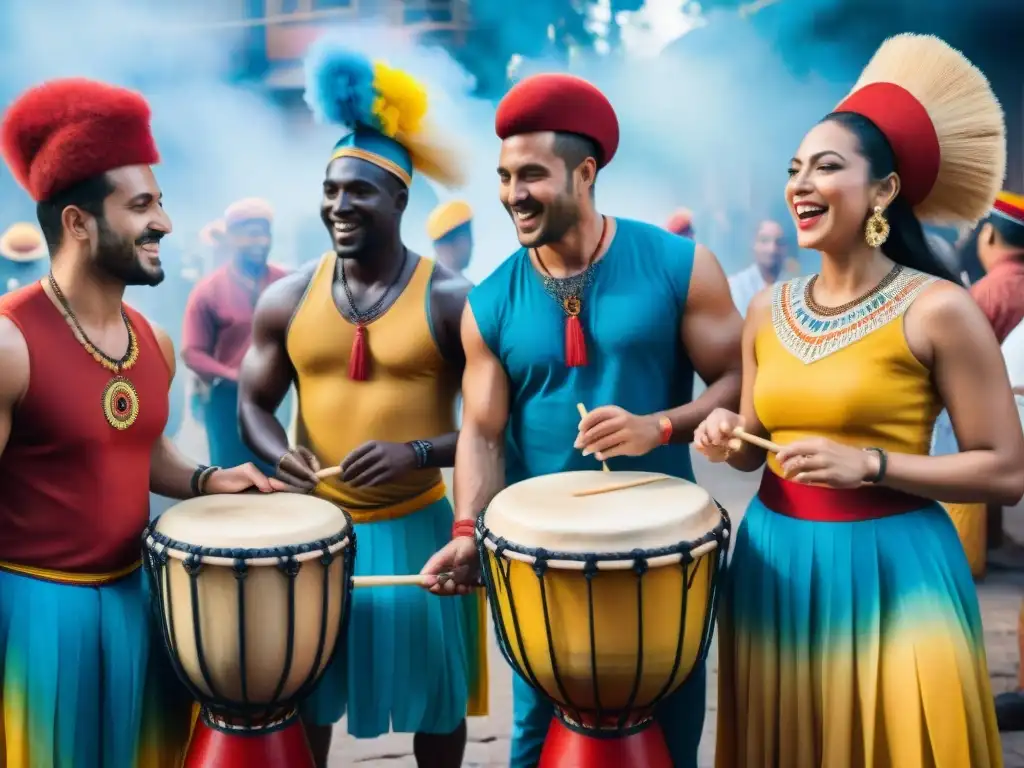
column 876, row 231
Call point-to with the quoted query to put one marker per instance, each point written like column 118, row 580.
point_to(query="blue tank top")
column 631, row 318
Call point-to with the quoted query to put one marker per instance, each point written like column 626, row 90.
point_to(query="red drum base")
column 284, row 747
column 566, row 748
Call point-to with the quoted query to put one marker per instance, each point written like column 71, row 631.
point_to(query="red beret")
column 65, row 131
column 561, row 103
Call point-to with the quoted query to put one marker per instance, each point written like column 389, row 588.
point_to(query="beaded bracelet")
column 422, row 450
column 194, row 482
column 204, row 478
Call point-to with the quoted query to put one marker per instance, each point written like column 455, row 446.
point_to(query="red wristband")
column 666, row 429
column 464, row 528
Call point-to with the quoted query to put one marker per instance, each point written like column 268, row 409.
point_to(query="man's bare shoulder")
column 282, row 297
column 14, row 362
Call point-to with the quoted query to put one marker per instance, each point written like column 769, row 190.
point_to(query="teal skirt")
column 852, row 644
column 86, row 679
column 408, row 663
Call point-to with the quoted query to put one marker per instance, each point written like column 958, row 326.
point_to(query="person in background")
column 217, row 328
column 998, row 242
column 450, row 228
column 770, row 250
column 681, row 223
column 23, row 255
column 1010, row 705
column 1000, row 293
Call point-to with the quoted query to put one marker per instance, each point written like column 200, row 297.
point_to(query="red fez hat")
column 909, row 129
column 560, row 103
column 65, row 131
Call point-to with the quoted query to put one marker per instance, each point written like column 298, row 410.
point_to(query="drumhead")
column 542, row 513
column 252, row 520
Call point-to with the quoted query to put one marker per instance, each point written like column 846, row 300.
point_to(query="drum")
column 252, row 592
column 603, row 589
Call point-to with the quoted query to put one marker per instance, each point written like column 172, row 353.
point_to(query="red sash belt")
column 834, row 505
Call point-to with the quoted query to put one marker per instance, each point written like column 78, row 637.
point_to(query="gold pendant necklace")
column 120, row 399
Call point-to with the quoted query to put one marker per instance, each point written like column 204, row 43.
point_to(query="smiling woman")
column 850, row 628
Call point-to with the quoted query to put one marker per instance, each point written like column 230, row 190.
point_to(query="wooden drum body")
column 252, row 592
column 604, row 603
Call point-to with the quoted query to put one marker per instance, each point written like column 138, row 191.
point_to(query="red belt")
column 834, row 505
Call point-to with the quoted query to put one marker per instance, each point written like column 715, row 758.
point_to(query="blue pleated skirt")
column 86, row 679
column 409, row 661
column 852, row 645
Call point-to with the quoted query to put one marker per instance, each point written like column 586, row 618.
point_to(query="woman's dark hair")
column 87, row 195
column 906, row 244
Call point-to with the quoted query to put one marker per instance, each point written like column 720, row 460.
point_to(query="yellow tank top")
column 850, row 378
column 409, row 395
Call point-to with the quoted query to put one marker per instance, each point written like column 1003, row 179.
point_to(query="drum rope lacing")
column 594, row 722
column 219, row 710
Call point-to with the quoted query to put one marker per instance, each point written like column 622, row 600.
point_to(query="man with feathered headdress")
column 217, row 325
column 84, row 382
column 370, row 335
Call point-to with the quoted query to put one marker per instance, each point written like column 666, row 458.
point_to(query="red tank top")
column 75, row 489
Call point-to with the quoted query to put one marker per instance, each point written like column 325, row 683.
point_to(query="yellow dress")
column 857, row 643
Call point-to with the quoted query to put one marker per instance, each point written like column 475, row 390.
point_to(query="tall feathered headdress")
column 385, row 110
column 943, row 122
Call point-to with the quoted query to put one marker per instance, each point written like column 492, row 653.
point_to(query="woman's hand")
column 713, row 436
column 818, row 461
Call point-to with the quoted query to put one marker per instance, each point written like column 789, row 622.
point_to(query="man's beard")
column 117, row 257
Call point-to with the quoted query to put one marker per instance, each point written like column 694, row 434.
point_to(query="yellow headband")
column 372, row 157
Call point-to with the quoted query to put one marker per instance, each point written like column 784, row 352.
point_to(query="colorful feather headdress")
column 385, row 110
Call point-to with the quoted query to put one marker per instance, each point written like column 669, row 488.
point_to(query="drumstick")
column 415, row 580
column 760, row 442
column 323, row 474
column 620, row 486
column 583, row 415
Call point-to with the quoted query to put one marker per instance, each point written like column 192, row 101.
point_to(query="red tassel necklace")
column 568, row 292
column 358, row 359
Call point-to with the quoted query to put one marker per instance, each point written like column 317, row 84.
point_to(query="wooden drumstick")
column 760, row 442
column 620, row 486
column 583, row 415
column 414, row 580
column 323, row 474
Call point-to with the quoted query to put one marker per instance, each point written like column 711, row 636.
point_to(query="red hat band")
column 1010, row 206
column 909, row 130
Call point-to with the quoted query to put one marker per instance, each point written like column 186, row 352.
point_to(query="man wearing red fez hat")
column 84, row 383
column 615, row 314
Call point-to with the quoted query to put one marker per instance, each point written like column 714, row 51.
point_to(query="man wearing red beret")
column 608, row 312
column 84, row 383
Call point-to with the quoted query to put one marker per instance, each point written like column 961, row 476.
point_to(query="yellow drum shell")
column 580, row 640
column 618, row 638
column 253, row 523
